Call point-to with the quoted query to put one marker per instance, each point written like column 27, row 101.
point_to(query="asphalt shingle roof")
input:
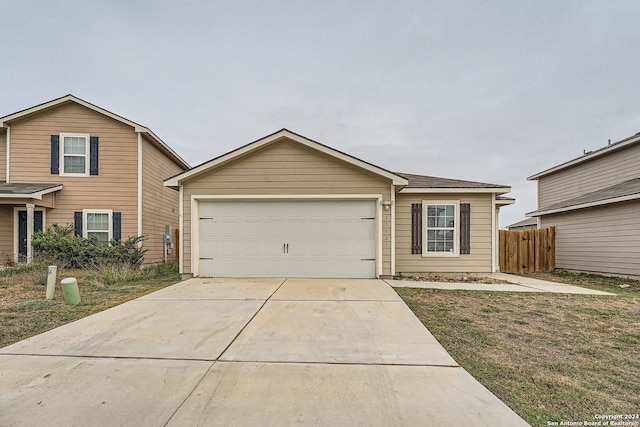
column 422, row 181
column 24, row 188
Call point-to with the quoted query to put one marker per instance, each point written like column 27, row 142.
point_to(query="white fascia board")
column 594, row 154
column 505, row 202
column 582, row 206
column 37, row 195
column 178, row 179
column 414, row 190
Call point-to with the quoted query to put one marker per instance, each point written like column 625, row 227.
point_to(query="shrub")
column 58, row 245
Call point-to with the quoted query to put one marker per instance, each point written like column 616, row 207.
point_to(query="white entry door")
column 287, row 239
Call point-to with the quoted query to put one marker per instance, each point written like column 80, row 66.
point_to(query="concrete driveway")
column 268, row 352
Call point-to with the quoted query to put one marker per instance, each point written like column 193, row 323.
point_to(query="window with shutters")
column 441, row 228
column 98, row 224
column 74, row 154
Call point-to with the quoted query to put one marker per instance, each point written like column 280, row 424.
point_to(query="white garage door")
column 287, row 239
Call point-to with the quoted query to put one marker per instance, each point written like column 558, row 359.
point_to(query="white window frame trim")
column 456, row 231
column 85, row 230
column 87, row 160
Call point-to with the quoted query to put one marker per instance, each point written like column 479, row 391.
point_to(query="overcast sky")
column 490, row 91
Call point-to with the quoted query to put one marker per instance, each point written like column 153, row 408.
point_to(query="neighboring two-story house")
column 594, row 203
column 70, row 162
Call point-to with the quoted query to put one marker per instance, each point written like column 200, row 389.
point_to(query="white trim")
column 85, row 231
column 139, row 187
column 494, row 231
column 195, row 215
column 181, row 230
column 37, row 195
column 179, row 179
column 393, row 230
column 504, row 202
column 583, row 205
column 8, row 166
column 55, row 102
column 87, row 154
column 456, row 230
column 423, row 190
column 592, row 155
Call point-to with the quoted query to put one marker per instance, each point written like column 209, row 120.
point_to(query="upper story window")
column 74, row 154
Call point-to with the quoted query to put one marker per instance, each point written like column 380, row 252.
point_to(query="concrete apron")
column 245, row 352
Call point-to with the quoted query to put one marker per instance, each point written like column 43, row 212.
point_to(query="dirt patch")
column 453, row 278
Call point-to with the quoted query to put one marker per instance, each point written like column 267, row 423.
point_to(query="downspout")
column 7, row 178
column 181, row 231
column 494, row 233
column 139, row 187
column 393, row 230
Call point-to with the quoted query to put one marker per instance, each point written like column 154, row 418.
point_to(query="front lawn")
column 25, row 312
column 550, row 357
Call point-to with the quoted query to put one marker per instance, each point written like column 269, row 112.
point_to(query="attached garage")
column 287, row 238
column 287, row 206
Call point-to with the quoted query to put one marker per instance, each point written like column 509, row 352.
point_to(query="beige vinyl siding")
column 601, row 239
column 284, row 168
column 479, row 260
column 601, row 172
column 3, row 155
column 115, row 187
column 6, row 234
column 159, row 203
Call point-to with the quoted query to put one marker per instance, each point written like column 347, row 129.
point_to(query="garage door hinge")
column 207, row 218
column 368, row 218
column 211, row 259
column 367, row 259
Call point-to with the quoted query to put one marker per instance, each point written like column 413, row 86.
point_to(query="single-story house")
column 525, row 224
column 288, row 206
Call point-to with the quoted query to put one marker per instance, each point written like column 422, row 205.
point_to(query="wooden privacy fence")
column 528, row 251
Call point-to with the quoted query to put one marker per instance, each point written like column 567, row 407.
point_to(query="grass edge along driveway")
column 550, row 357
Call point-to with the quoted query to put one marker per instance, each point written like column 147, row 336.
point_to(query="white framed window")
column 441, row 236
column 74, row 154
column 98, row 223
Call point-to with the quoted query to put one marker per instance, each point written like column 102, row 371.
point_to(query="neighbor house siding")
column 601, row 172
column 284, row 168
column 601, row 239
column 159, row 203
column 115, row 187
column 478, row 260
column 6, row 232
column 3, row 155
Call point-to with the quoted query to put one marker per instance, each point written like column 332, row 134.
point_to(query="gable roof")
column 588, row 156
column 177, row 180
column 627, row 190
column 6, row 121
column 420, row 183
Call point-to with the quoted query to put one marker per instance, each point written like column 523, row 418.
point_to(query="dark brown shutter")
column 465, row 228
column 416, row 228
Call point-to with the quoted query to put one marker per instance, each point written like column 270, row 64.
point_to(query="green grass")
column 25, row 312
column 550, row 357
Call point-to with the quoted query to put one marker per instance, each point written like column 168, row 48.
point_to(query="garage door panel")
column 287, row 238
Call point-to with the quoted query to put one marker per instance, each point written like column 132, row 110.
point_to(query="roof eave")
column 587, row 157
column 497, row 190
column 35, row 195
column 541, row 212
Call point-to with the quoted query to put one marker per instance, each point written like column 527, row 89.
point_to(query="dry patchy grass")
column 25, row 312
column 550, row 357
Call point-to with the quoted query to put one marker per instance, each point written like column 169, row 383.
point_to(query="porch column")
column 30, row 208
